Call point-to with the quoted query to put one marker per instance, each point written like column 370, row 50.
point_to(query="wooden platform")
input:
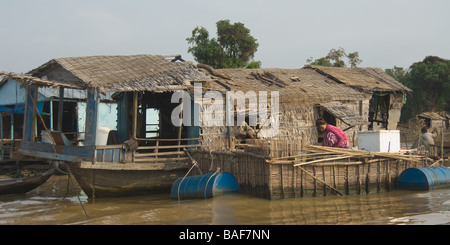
column 319, row 171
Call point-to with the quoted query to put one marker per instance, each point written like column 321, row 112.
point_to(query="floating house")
column 72, row 111
column 435, row 121
column 170, row 124
column 304, row 95
column 284, row 164
column 130, row 162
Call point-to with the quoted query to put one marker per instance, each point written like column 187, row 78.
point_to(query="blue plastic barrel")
column 427, row 178
column 204, row 186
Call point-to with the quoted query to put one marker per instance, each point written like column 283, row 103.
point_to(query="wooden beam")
column 166, row 147
column 181, row 125
column 60, row 109
column 91, row 118
column 28, row 125
column 134, row 110
column 159, row 154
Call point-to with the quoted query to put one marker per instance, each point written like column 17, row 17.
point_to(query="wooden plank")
column 172, row 159
column 159, row 154
column 166, row 147
column 50, row 155
column 133, row 166
column 158, row 139
column 100, row 147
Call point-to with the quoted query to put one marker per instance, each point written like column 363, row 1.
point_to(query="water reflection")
column 47, row 205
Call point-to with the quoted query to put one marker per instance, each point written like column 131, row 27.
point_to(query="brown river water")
column 49, row 205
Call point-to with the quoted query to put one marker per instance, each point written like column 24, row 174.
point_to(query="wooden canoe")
column 126, row 179
column 24, row 185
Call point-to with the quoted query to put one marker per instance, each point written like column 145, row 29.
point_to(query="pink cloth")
column 335, row 137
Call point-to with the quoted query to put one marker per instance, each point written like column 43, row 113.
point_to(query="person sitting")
column 426, row 140
column 332, row 135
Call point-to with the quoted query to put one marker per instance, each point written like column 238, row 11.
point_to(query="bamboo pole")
column 181, row 126
column 322, row 160
column 355, row 153
column 319, row 180
column 442, row 139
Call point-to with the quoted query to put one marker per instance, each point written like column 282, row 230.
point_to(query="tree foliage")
column 430, row 81
column 234, row 47
column 335, row 58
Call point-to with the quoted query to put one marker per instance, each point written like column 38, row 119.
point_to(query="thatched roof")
column 344, row 113
column 121, row 73
column 29, row 80
column 366, row 79
column 431, row 115
column 299, row 87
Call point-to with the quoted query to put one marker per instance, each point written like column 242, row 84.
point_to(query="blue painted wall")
column 11, row 93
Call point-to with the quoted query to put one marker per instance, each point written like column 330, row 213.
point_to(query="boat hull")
column 24, row 185
column 120, row 180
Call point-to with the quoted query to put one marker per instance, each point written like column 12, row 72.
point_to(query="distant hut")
column 433, row 121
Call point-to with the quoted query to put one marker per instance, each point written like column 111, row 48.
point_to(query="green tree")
column 430, row 82
column 335, row 57
column 398, row 73
column 234, row 47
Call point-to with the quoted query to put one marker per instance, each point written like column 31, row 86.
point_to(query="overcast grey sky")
column 385, row 33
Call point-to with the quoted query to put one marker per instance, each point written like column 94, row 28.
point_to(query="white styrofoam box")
column 102, row 135
column 379, row 140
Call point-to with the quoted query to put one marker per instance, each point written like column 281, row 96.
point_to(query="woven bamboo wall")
column 288, row 181
column 257, row 176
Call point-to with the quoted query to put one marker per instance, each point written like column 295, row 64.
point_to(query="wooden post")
column 91, row 118
column 60, row 109
column 388, row 175
column 29, row 114
column 134, row 125
column 357, row 180
column 93, row 183
column 315, row 181
column 378, row 175
column 368, row 178
column 347, row 190
column 324, row 181
column 334, row 177
column 442, row 140
column 34, row 121
column 51, row 114
column 135, row 111
column 181, row 126
column 1, row 136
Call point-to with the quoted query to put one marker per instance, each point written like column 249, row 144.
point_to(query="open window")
column 379, row 110
column 331, row 111
column 151, row 123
